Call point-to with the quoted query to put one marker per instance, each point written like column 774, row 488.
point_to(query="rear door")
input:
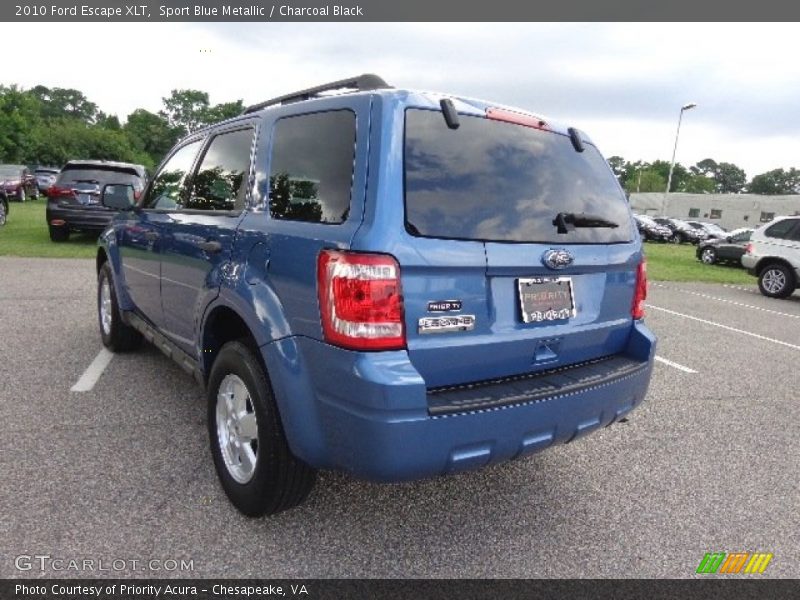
column 538, row 298
column 199, row 230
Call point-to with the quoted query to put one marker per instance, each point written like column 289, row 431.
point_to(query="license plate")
column 84, row 198
column 546, row 299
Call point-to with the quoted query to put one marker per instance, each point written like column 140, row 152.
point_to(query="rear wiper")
column 567, row 221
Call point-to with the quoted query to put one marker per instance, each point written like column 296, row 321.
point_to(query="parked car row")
column 677, row 231
column 652, row 231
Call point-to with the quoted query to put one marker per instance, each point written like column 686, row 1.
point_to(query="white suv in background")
column 773, row 255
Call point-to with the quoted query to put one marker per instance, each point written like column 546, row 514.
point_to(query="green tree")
column 619, row 166
column 150, row 133
column 777, row 181
column 728, row 178
column 699, row 184
column 107, row 121
column 65, row 139
column 680, row 174
column 645, row 180
column 185, row 110
column 226, row 110
column 19, row 114
column 188, row 110
column 64, row 102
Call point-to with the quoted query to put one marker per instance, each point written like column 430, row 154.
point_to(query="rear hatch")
column 80, row 185
column 524, row 255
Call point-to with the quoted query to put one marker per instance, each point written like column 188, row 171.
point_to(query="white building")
column 728, row 210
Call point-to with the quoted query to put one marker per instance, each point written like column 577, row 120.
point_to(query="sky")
column 623, row 84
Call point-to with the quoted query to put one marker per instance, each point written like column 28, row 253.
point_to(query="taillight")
column 640, row 293
column 59, row 192
column 749, row 248
column 360, row 300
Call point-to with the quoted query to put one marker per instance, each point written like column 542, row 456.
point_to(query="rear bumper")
column 749, row 262
column 84, row 219
column 370, row 414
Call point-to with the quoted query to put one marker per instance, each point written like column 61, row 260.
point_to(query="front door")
column 142, row 239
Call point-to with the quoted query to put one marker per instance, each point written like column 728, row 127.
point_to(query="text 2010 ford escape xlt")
column 385, row 282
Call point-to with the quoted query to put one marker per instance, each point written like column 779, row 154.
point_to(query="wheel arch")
column 766, row 261
column 222, row 324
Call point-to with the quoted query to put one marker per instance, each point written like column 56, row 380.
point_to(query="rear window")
column 100, row 176
column 495, row 181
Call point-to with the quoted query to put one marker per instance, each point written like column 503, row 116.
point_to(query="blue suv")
column 389, row 283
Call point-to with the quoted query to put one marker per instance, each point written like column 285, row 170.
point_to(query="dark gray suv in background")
column 73, row 202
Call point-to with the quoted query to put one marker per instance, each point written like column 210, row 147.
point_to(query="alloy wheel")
column 237, row 428
column 774, row 280
column 105, row 306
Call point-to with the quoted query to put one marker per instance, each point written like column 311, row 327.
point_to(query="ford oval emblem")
column 557, row 259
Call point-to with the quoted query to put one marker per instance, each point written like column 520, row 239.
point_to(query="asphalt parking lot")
column 123, row 471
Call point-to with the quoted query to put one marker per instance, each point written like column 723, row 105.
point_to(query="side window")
column 167, row 185
column 781, row 229
column 742, row 237
column 311, row 171
column 221, row 180
column 794, row 235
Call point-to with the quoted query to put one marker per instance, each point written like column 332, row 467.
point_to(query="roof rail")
column 360, row 83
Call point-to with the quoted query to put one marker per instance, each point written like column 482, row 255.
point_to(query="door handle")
column 210, row 246
column 151, row 235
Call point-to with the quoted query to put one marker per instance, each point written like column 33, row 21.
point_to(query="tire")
column 3, row 213
column 58, row 233
column 116, row 335
column 675, row 239
column 21, row 194
column 256, row 468
column 776, row 281
column 708, row 256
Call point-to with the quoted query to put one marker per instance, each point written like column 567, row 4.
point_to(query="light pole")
column 688, row 106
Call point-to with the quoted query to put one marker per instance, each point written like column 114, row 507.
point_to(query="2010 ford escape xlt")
column 385, row 282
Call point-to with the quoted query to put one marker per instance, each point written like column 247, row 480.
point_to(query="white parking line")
column 727, row 327
column 674, row 365
column 739, row 287
column 93, row 372
column 742, row 304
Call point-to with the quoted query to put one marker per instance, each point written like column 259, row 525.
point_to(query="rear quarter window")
column 781, row 229
column 495, row 181
column 311, row 172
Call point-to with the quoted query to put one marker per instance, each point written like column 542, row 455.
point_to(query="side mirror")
column 118, row 196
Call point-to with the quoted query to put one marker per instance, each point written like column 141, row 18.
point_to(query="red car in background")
column 17, row 182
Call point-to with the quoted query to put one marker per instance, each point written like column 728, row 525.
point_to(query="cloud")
column 623, row 83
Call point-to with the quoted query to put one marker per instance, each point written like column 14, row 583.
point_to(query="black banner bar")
column 732, row 588
column 395, row 10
